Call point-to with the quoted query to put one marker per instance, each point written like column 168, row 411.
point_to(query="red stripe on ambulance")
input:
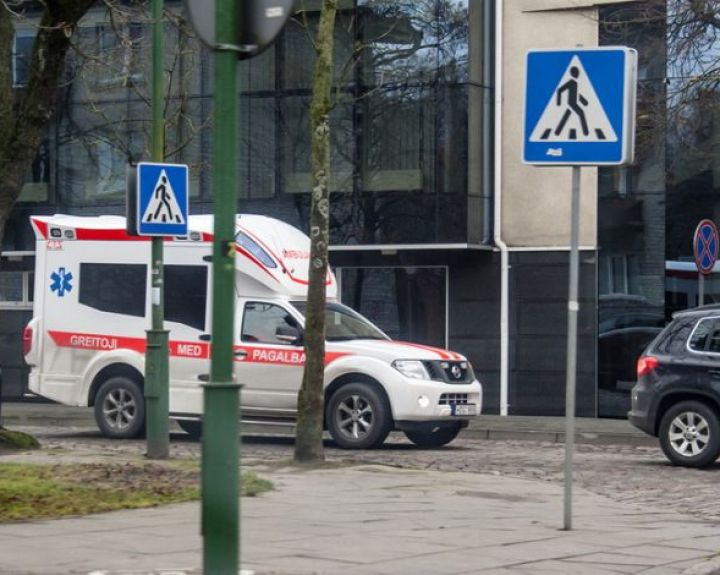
column 100, row 342
column 187, row 349
column 443, row 353
column 275, row 356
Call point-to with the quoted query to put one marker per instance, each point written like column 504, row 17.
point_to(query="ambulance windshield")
column 343, row 323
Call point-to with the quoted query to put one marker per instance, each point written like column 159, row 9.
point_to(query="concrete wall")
column 536, row 201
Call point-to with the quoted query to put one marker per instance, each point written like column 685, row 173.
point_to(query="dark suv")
column 677, row 395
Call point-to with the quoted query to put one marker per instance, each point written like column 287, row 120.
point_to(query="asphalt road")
column 625, row 473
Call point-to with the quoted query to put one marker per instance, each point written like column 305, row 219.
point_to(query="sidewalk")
column 376, row 519
column 587, row 430
column 379, row 520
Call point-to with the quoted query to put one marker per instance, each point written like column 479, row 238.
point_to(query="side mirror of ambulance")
column 289, row 334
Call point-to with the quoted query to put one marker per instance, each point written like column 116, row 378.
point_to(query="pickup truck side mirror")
column 289, row 334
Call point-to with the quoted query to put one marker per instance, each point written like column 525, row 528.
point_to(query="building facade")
column 440, row 234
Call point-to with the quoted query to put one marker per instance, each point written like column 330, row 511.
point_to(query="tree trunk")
column 26, row 112
column 308, row 441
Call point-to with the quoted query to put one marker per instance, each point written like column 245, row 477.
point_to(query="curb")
column 708, row 567
column 583, row 437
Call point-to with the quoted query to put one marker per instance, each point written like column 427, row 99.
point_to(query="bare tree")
column 308, row 441
column 26, row 113
column 386, row 53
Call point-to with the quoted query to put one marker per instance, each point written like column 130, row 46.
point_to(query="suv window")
column 706, row 336
column 673, row 339
column 261, row 320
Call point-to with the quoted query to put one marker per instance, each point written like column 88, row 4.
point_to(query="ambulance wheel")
column 434, row 435
column 120, row 408
column 358, row 416
column 192, row 427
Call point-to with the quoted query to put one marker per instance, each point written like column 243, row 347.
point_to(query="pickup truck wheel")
column 690, row 434
column 434, row 434
column 120, row 408
column 358, row 416
column 192, row 427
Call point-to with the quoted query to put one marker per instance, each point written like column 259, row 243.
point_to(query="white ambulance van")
column 92, row 307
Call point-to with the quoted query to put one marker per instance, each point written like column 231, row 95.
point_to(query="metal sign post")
column 156, row 356
column 571, row 360
column 579, row 111
column 235, row 31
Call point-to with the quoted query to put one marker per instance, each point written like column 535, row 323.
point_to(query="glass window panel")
column 114, row 288
column 14, row 369
column 451, row 32
column 701, row 333
column 407, row 303
column 186, row 294
column 11, row 286
column 37, row 180
column 631, row 214
column 399, row 148
column 261, row 321
column 257, row 74
column 22, row 53
column 401, row 41
column 298, row 56
column 257, row 156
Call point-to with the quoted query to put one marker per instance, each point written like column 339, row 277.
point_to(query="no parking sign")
column 705, row 246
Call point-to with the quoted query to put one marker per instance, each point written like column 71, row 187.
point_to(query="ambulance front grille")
column 453, row 399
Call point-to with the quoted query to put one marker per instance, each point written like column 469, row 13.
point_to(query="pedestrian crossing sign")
column 162, row 200
column 580, row 106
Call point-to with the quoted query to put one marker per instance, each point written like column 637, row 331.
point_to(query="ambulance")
column 92, row 307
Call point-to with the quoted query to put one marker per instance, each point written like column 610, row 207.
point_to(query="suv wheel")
column 690, row 434
column 192, row 427
column 120, row 408
column 434, row 434
column 358, row 416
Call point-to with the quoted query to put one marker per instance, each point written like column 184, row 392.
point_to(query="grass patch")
column 252, row 485
column 30, row 491
column 17, row 440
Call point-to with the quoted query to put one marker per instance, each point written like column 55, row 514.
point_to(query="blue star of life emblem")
column 61, row 282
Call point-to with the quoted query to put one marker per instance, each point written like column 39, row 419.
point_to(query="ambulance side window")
column 186, row 294
column 261, row 320
column 114, row 288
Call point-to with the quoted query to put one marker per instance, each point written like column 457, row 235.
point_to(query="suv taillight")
column 27, row 340
column 646, row 364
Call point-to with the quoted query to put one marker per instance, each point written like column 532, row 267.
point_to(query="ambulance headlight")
column 411, row 368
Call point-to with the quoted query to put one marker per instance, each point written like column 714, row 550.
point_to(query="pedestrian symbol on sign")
column 163, row 206
column 574, row 112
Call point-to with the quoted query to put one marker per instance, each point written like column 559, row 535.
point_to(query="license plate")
column 465, row 409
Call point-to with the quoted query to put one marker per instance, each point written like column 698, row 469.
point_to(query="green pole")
column 156, row 355
column 220, row 445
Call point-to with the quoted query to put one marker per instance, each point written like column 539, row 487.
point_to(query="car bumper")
column 435, row 401
column 641, row 415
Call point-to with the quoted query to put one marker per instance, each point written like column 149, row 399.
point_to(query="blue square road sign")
column 162, row 202
column 580, row 106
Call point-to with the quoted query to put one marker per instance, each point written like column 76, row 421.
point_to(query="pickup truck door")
column 268, row 363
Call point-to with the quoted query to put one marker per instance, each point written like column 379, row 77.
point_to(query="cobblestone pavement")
column 636, row 474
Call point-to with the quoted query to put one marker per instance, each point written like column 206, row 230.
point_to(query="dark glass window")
column 114, row 288
column 261, row 321
column 186, row 295
column 22, row 53
column 631, row 212
column 407, row 303
column 674, row 339
column 14, row 369
column 706, row 336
